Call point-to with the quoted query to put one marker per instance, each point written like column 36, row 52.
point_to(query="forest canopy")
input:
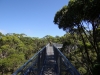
column 16, row 49
column 81, row 18
column 81, row 43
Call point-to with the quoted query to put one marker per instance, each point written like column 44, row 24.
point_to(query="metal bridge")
column 58, row 45
column 48, row 61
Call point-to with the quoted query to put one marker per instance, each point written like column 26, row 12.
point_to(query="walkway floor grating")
column 50, row 66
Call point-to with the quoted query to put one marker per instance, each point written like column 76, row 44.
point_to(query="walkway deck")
column 50, row 66
column 48, row 61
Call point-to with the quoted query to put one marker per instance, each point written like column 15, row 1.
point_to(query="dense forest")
column 16, row 49
column 81, row 43
column 81, row 18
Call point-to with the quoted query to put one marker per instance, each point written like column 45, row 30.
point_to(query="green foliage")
column 15, row 49
column 82, row 70
column 81, row 45
column 76, row 18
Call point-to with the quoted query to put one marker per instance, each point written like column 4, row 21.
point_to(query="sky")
column 31, row 17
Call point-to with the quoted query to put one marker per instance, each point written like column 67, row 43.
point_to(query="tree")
column 74, row 16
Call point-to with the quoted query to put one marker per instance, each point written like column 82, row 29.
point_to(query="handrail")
column 34, row 65
column 66, row 60
column 23, row 66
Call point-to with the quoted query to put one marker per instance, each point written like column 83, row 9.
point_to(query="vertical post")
column 38, row 64
column 44, row 54
column 59, row 65
column 42, row 58
column 55, row 54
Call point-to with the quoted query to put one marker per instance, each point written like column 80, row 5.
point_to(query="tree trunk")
column 85, row 47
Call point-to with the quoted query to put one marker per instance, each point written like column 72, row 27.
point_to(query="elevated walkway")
column 48, row 61
column 50, row 65
column 58, row 45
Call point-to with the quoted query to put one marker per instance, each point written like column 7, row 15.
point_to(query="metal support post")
column 38, row 71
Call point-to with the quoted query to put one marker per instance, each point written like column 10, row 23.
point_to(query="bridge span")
column 48, row 61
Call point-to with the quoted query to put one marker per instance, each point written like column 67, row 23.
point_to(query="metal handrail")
column 23, row 66
column 65, row 61
column 34, row 65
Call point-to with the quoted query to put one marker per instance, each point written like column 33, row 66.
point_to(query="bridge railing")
column 58, row 45
column 64, row 65
column 33, row 65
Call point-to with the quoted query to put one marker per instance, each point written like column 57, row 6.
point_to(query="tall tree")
column 75, row 15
